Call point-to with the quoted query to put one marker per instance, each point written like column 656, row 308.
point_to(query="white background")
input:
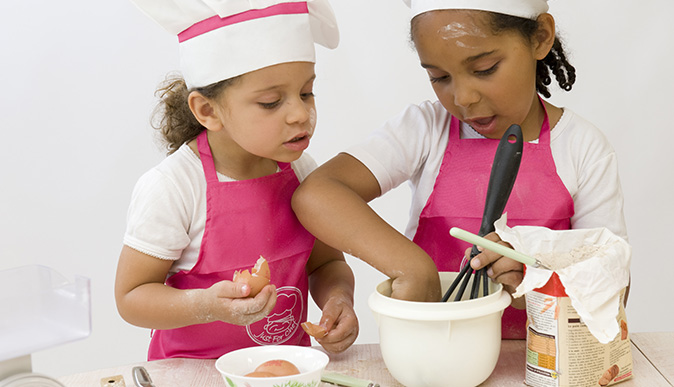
column 77, row 82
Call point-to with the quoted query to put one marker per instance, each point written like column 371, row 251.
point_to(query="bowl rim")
column 434, row 311
column 322, row 356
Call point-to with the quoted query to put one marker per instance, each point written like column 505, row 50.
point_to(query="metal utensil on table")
column 501, row 180
column 141, row 377
column 497, row 248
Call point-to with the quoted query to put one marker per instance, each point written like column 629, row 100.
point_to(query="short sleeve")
column 588, row 166
column 157, row 219
column 304, row 166
column 398, row 150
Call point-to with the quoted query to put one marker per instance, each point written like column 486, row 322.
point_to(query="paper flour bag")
column 576, row 325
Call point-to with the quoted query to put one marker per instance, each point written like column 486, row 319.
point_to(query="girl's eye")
column 488, row 71
column 437, row 76
column 269, row 105
column 308, row 95
column 439, row 79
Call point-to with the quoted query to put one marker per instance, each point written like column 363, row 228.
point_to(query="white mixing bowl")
column 429, row 344
column 310, row 362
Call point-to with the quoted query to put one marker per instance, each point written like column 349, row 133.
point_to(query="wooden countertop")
column 658, row 349
column 653, row 358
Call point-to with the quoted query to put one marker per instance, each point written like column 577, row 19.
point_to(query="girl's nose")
column 299, row 112
column 465, row 95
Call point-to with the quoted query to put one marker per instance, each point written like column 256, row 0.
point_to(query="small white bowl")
column 234, row 365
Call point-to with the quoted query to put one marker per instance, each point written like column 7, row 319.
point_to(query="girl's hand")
column 228, row 302
column 340, row 322
column 500, row 269
column 417, row 282
column 331, row 283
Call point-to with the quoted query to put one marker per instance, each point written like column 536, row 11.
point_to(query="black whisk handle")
column 502, row 178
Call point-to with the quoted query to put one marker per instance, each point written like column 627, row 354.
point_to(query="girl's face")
column 269, row 113
column 485, row 80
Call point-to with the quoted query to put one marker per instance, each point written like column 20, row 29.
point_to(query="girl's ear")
column 545, row 36
column 204, row 111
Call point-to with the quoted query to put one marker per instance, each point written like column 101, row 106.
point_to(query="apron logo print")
column 284, row 320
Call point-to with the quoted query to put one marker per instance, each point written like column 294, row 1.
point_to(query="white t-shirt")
column 167, row 214
column 411, row 146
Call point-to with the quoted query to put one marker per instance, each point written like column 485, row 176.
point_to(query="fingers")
column 245, row 311
column 233, row 306
column 341, row 334
column 510, row 280
column 500, row 269
column 341, row 323
column 229, row 289
column 263, row 303
column 487, row 257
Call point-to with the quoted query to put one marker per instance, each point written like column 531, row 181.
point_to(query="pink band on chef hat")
column 216, row 21
column 222, row 39
column 528, row 9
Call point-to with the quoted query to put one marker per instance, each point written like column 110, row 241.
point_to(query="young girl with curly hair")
column 237, row 123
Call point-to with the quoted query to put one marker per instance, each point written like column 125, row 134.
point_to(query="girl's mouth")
column 298, row 143
column 484, row 125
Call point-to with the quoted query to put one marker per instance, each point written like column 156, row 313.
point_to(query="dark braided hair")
column 555, row 62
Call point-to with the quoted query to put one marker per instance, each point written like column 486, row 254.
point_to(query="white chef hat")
column 529, row 9
column 221, row 39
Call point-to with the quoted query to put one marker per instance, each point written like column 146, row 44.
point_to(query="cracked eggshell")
column 314, row 330
column 257, row 280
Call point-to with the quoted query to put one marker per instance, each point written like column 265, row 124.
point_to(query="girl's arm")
column 331, row 284
column 144, row 300
column 332, row 204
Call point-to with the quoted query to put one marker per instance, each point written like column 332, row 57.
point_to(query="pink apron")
column 538, row 198
column 245, row 219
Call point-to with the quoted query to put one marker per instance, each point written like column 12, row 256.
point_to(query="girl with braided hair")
column 490, row 62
